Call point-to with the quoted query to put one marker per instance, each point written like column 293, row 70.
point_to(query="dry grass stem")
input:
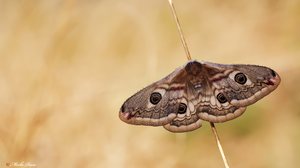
column 183, row 41
column 182, row 38
column 214, row 130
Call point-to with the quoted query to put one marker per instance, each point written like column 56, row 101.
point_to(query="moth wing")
column 188, row 119
column 225, row 99
column 184, row 124
column 260, row 81
column 139, row 110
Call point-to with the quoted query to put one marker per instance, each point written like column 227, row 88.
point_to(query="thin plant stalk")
column 214, row 130
column 188, row 55
column 182, row 38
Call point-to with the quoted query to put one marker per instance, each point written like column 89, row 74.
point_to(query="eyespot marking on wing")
column 156, row 91
column 235, row 77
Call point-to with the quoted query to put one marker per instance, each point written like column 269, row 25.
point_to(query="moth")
column 199, row 91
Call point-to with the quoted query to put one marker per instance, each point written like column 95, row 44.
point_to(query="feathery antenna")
column 188, row 55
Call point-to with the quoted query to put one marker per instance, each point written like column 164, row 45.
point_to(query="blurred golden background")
column 67, row 66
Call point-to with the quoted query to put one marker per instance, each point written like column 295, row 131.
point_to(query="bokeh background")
column 67, row 66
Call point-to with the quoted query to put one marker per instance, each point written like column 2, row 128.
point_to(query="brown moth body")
column 199, row 91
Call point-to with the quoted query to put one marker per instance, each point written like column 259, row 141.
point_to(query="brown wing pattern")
column 199, row 91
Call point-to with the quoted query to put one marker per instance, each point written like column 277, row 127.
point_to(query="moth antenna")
column 188, row 55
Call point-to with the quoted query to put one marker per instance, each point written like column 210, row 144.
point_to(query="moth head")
column 193, row 67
